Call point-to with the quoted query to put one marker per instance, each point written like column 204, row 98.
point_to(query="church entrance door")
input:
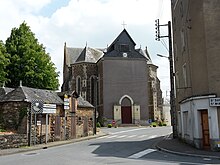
column 126, row 115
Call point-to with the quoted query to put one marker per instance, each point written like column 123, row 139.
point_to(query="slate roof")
column 120, row 37
column 145, row 54
column 28, row 94
column 83, row 103
column 4, row 91
column 86, row 54
column 123, row 39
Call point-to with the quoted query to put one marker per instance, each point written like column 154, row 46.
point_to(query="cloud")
column 96, row 22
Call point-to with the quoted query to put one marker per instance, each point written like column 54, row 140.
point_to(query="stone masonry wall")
column 13, row 141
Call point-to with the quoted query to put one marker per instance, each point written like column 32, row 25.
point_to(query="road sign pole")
column 46, row 131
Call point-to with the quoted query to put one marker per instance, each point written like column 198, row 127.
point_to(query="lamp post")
column 172, row 93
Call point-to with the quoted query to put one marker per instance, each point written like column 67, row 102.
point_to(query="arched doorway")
column 126, row 111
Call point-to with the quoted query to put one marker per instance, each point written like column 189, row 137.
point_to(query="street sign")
column 66, row 103
column 37, row 106
column 214, row 102
column 49, row 108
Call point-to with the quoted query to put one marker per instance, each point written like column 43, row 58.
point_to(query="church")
column 120, row 81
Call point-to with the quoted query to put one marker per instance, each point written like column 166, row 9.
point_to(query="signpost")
column 214, row 102
column 36, row 108
column 47, row 109
column 66, row 107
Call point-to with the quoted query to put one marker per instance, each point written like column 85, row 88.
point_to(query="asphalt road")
column 130, row 146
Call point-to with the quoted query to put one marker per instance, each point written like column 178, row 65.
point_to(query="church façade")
column 120, row 81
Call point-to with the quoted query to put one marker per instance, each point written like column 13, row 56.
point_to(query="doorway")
column 126, row 111
column 205, row 129
column 126, row 115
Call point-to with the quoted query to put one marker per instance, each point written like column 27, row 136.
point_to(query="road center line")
column 142, row 153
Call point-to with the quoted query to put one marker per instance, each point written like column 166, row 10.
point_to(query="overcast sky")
column 95, row 22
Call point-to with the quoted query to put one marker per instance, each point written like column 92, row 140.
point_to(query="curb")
column 182, row 153
column 186, row 154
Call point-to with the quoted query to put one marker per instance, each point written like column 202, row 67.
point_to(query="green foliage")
column 109, row 125
column 2, row 130
column 98, row 125
column 164, row 124
column 4, row 61
column 29, row 61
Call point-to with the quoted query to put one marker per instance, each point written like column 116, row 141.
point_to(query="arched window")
column 78, row 84
column 92, row 85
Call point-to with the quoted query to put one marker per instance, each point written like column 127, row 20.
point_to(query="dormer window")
column 124, row 48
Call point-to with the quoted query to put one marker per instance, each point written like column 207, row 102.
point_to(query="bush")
column 2, row 130
column 98, row 125
column 109, row 125
column 164, row 124
column 153, row 124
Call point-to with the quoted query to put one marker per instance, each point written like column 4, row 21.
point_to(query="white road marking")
column 109, row 137
column 128, row 131
column 131, row 136
column 128, row 136
column 142, row 136
column 152, row 136
column 122, row 136
column 142, row 153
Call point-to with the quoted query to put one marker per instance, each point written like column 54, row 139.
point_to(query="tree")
column 29, row 61
column 4, row 61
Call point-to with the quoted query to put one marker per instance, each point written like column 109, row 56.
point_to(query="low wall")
column 13, row 141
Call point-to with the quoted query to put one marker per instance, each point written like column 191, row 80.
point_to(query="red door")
column 205, row 128
column 126, row 115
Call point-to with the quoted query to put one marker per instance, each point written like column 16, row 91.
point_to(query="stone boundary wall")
column 13, row 141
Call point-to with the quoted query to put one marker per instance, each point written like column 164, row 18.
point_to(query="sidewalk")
column 175, row 146
column 44, row 146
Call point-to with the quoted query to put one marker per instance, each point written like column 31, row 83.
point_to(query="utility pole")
column 172, row 93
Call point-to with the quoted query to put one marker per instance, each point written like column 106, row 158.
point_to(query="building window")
column 84, row 83
column 78, row 84
column 182, row 40
column 184, row 75
column 185, row 122
column 92, row 84
column 177, row 80
column 181, row 9
column 84, row 95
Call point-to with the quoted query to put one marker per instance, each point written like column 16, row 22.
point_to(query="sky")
column 93, row 22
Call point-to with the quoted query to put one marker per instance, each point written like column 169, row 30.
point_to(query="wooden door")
column 205, row 128
column 126, row 115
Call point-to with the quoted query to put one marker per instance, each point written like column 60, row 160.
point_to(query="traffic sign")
column 37, row 106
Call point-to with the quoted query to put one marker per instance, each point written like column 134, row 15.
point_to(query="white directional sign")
column 49, row 108
column 214, row 102
column 66, row 103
